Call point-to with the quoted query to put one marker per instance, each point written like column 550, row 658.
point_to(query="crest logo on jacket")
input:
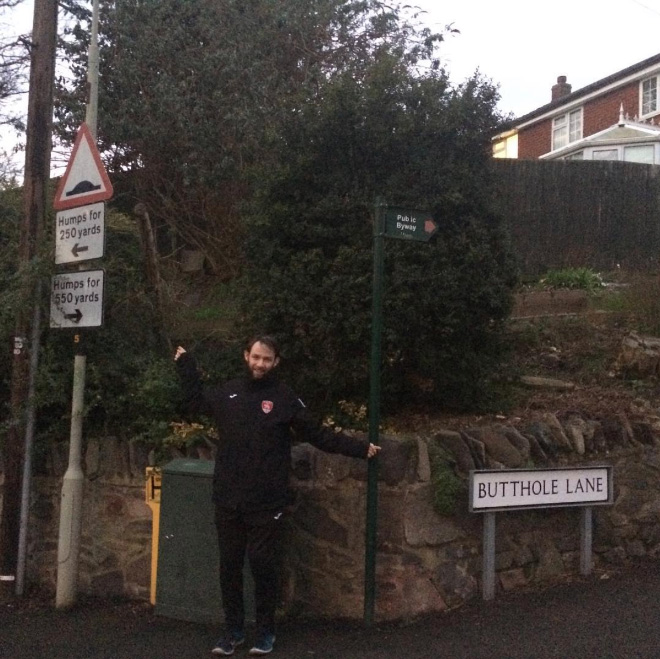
column 266, row 406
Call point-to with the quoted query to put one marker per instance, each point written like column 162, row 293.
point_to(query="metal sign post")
column 406, row 225
column 374, row 415
column 586, row 540
column 489, row 556
column 68, row 544
column 85, row 181
column 76, row 301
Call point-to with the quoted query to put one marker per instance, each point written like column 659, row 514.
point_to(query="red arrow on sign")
column 430, row 227
column 85, row 180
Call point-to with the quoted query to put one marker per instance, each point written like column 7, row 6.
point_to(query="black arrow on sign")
column 75, row 250
column 75, row 317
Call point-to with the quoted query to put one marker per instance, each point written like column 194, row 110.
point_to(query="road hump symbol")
column 85, row 180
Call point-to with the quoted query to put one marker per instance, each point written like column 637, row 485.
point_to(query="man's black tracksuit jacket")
column 254, row 420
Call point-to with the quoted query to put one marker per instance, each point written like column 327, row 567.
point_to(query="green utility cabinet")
column 188, row 581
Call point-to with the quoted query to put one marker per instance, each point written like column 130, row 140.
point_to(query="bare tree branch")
column 14, row 67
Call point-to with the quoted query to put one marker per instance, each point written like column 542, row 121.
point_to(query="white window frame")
column 646, row 112
column 499, row 149
column 614, row 149
column 628, row 147
column 566, row 128
column 588, row 153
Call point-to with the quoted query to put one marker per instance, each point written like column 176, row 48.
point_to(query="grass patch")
column 584, row 279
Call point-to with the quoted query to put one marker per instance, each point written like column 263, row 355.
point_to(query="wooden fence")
column 602, row 215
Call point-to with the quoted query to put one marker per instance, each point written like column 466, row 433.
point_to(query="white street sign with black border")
column 76, row 299
column 80, row 234
column 517, row 489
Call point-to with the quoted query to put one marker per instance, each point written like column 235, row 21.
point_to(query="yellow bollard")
column 153, row 501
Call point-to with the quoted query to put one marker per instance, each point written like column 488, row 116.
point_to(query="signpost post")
column 374, row 415
column 84, row 182
column 404, row 224
column 76, row 302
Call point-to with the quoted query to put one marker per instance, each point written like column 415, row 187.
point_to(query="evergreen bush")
column 419, row 144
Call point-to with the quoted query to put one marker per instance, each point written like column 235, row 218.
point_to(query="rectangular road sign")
column 80, row 234
column 515, row 489
column 76, row 299
column 409, row 224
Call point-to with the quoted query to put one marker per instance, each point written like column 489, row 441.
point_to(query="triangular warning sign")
column 85, row 180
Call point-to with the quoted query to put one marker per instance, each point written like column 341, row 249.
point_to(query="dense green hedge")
column 418, row 144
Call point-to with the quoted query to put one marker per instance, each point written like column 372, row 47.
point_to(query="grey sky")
column 524, row 45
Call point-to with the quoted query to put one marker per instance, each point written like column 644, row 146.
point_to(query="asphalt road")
column 612, row 615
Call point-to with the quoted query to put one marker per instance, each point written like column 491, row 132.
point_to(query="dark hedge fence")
column 602, row 215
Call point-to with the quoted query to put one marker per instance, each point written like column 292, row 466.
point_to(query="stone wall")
column 431, row 562
column 115, row 556
column 426, row 561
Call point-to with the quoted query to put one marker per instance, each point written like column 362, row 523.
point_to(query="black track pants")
column 259, row 534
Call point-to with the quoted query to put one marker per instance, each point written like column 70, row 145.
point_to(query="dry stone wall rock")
column 427, row 559
column 639, row 356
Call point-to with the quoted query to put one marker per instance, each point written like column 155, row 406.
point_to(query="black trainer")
column 228, row 643
column 264, row 644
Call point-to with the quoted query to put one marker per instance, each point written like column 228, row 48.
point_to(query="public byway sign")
column 76, row 299
column 80, row 234
column 409, row 224
column 85, row 180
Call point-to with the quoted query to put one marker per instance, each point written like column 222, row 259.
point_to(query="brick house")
column 616, row 118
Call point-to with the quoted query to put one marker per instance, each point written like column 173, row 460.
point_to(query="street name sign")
column 409, row 224
column 515, row 489
column 85, row 180
column 80, row 234
column 76, row 299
